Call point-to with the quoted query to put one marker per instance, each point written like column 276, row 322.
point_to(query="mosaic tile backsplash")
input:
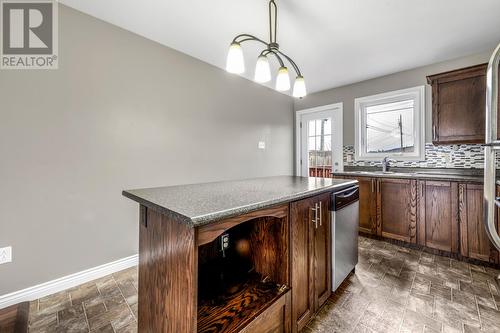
column 447, row 156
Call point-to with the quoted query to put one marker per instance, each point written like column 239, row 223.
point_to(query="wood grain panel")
column 413, row 211
column 396, row 208
column 421, row 213
column 236, row 309
column 14, row 319
column 478, row 241
column 167, row 274
column 458, row 99
column 439, row 215
column 302, row 240
column 322, row 254
column 269, row 247
column 462, row 217
column 276, row 319
column 367, row 205
column 208, row 233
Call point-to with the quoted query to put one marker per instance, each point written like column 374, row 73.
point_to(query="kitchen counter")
column 200, row 204
column 466, row 175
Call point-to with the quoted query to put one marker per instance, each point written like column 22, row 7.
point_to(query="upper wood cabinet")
column 438, row 215
column 397, row 209
column 311, row 257
column 458, row 105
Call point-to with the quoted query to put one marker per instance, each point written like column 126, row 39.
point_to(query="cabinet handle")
column 378, row 186
column 315, row 219
column 422, row 189
column 373, row 185
column 320, row 214
column 316, row 215
column 434, row 132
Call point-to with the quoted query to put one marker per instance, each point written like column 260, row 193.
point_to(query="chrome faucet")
column 385, row 163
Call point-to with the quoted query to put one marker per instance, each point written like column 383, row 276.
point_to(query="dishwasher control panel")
column 344, row 198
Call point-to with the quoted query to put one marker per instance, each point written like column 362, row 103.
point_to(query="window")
column 390, row 124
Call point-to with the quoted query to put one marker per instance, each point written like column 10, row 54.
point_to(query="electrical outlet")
column 262, row 145
column 224, row 241
column 224, row 244
column 5, row 254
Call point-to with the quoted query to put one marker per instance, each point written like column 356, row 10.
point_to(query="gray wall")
column 401, row 80
column 121, row 112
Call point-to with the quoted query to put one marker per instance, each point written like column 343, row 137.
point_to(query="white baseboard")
column 67, row 281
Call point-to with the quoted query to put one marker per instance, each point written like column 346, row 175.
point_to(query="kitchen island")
column 239, row 256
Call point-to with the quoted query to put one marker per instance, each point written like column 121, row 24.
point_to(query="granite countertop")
column 200, row 204
column 469, row 175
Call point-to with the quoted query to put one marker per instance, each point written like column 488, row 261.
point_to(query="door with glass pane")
column 321, row 143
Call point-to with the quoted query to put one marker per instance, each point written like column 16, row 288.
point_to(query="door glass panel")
column 320, row 147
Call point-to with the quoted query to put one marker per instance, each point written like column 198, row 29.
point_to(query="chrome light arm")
column 490, row 148
column 272, row 46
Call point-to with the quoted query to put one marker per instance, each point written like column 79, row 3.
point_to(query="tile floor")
column 394, row 290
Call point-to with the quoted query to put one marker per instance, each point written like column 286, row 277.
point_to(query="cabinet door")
column 474, row 242
column 438, row 215
column 302, row 239
column 367, row 205
column 458, row 99
column 397, row 209
column 322, row 252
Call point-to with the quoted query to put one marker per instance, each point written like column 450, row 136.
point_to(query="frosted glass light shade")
column 299, row 87
column 262, row 70
column 235, row 62
column 283, row 80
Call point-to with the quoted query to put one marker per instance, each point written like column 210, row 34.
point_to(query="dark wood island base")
column 252, row 270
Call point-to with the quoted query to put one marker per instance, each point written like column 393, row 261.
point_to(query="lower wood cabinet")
column 438, row 215
column 397, row 209
column 311, row 257
column 367, row 205
column 474, row 242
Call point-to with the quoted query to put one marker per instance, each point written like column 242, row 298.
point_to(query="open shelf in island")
column 241, row 304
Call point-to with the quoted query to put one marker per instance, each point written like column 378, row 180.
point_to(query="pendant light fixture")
column 236, row 63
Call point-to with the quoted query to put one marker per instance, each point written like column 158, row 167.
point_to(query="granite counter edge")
column 215, row 217
column 476, row 179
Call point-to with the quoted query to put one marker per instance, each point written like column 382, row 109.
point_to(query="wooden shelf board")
column 234, row 310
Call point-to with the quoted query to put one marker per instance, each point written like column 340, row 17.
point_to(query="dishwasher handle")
column 344, row 198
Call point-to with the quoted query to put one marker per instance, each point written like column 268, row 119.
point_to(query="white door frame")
column 337, row 135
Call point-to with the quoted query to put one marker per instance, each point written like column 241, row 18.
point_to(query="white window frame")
column 360, row 104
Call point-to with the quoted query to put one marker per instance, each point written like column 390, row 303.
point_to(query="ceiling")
column 334, row 42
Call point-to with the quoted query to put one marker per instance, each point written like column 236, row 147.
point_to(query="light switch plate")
column 262, row 145
column 5, row 254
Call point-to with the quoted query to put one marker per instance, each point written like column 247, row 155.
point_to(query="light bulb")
column 235, row 62
column 282, row 80
column 262, row 70
column 299, row 87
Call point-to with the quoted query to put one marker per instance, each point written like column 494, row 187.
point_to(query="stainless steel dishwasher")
column 345, row 224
